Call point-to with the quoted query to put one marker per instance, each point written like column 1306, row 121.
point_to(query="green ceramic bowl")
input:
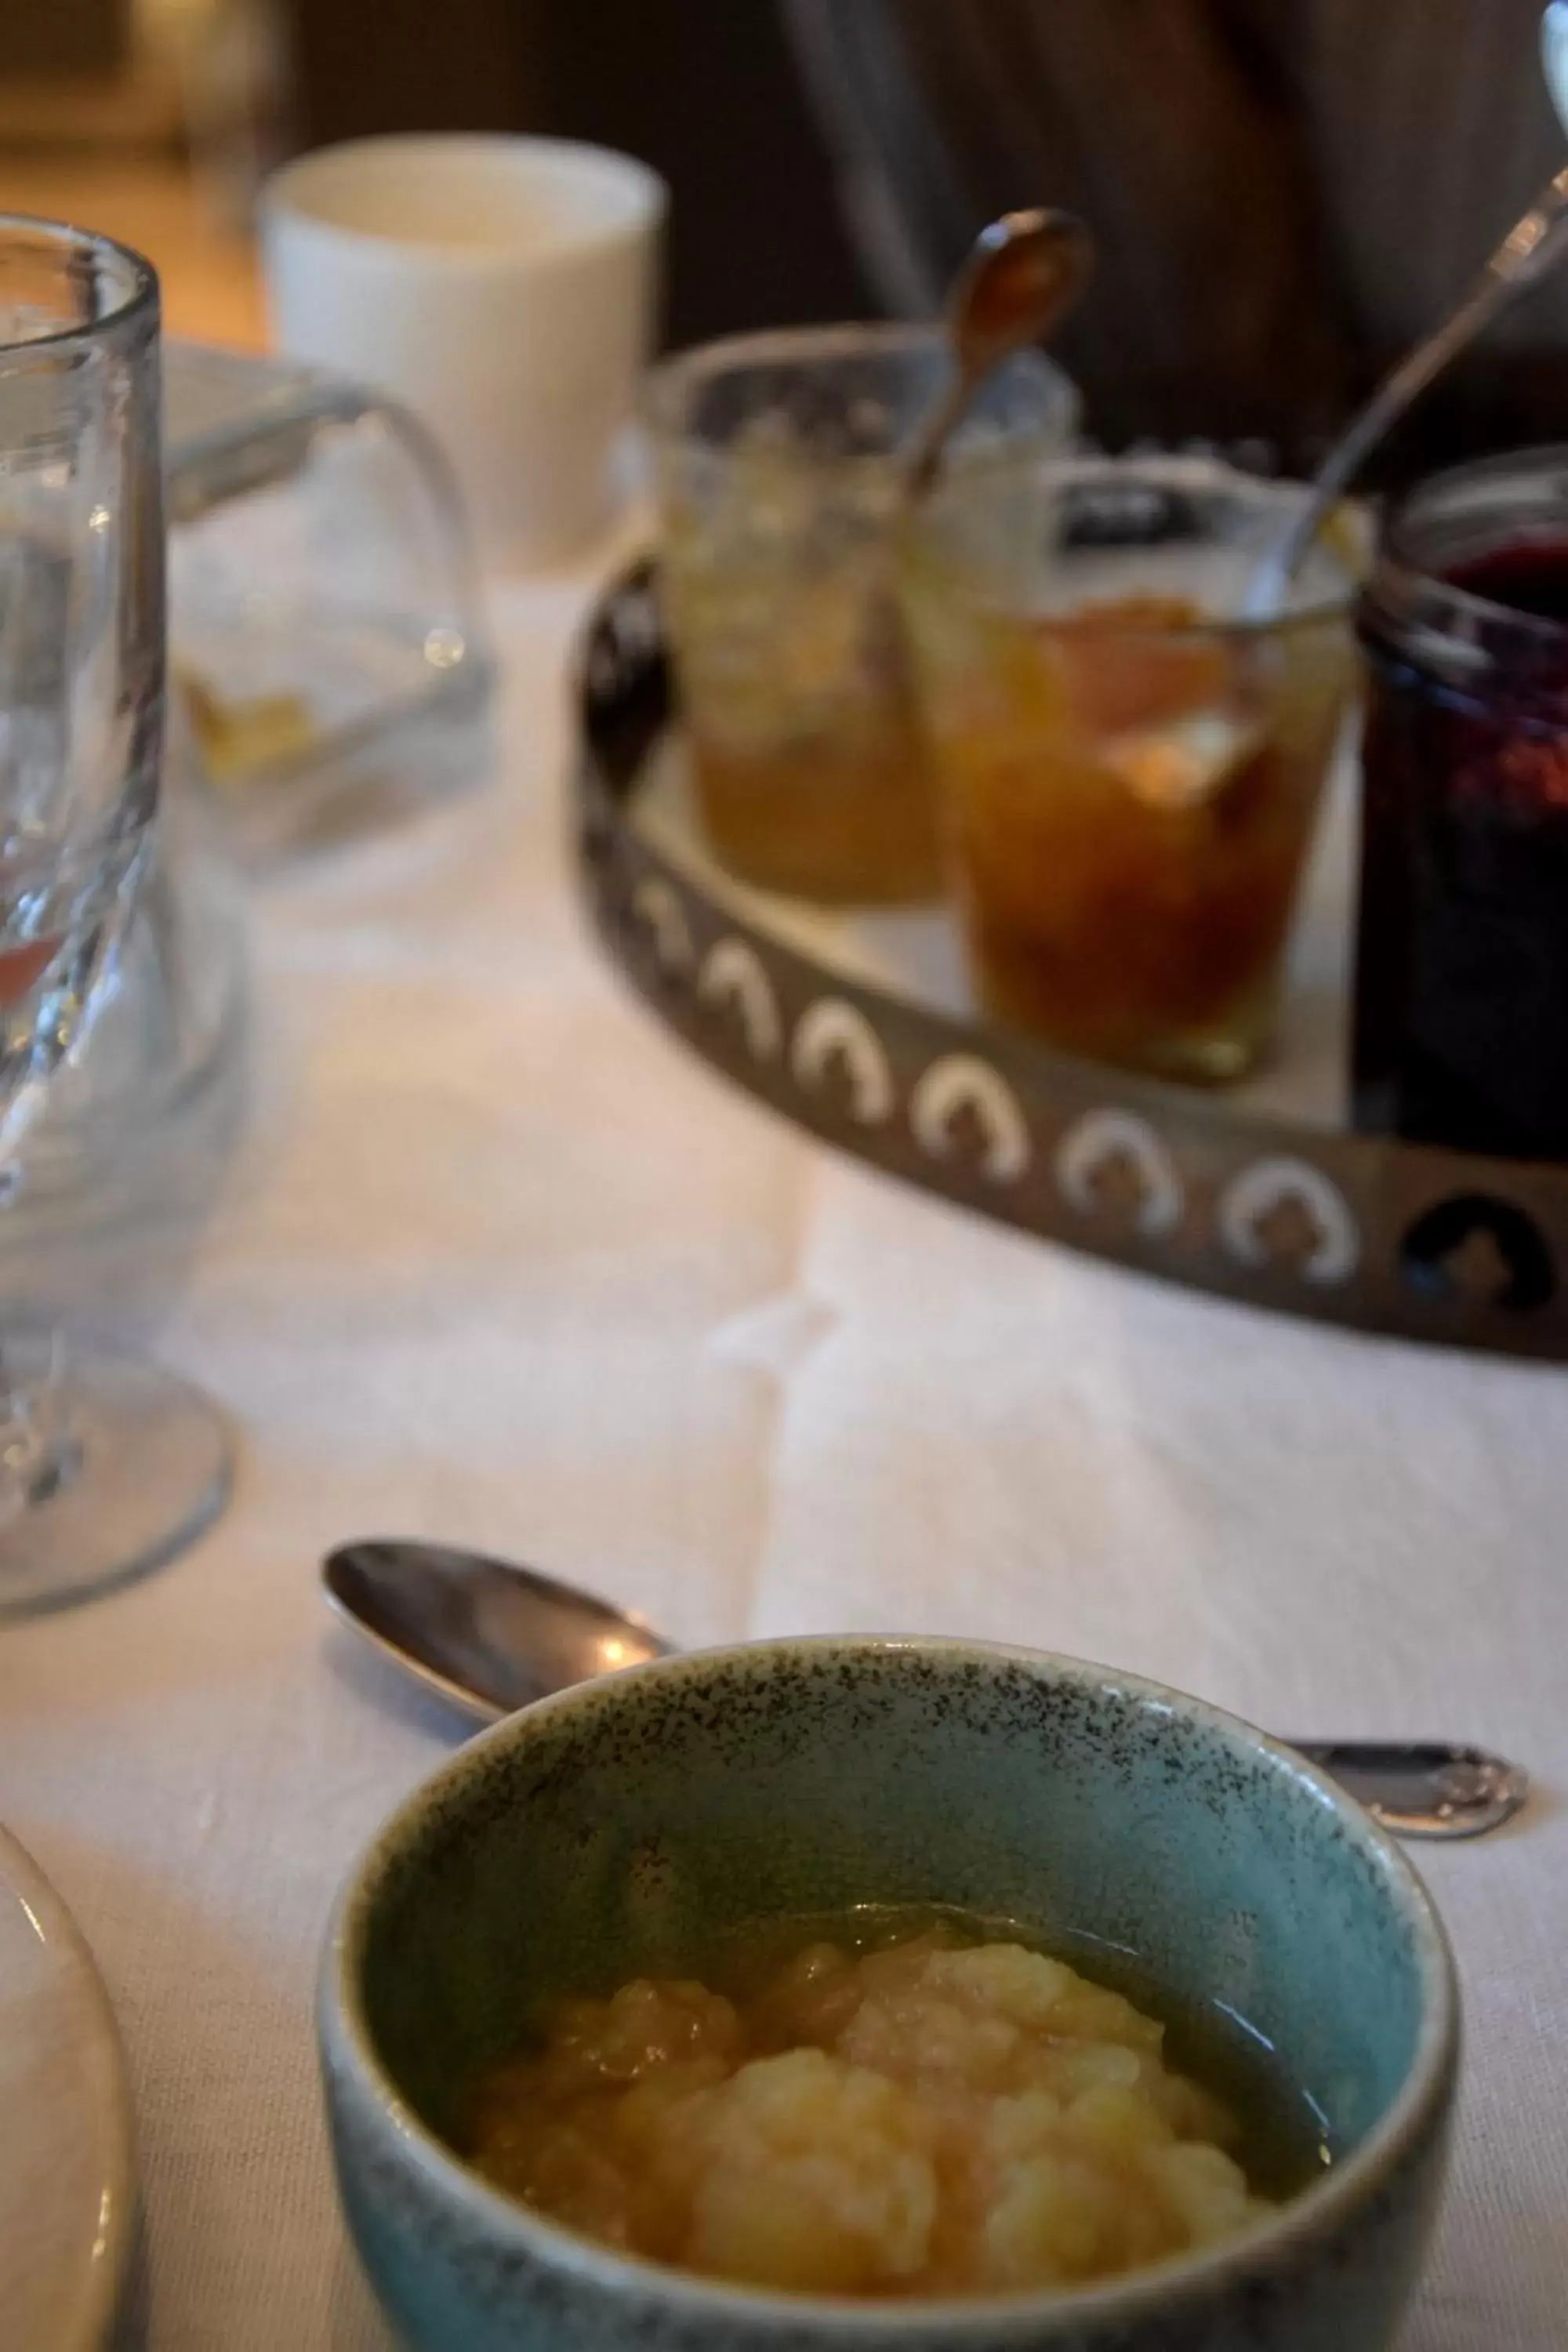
column 618, row 1829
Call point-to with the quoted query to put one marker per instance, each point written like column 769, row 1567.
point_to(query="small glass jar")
column 328, row 651
column 1130, row 764
column 1461, row 989
column 779, row 461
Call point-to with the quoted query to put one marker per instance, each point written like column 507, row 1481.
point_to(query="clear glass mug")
column 328, row 645
column 106, row 1464
column 777, row 460
column 1128, row 770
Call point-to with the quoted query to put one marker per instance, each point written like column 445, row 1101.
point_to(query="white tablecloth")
column 499, row 1262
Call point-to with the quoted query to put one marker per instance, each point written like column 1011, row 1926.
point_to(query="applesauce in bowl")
column 891, row 2104
column 1025, row 1816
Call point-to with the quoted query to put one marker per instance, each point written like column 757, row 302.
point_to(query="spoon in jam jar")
column 1533, row 246
column 489, row 1637
column 1024, row 274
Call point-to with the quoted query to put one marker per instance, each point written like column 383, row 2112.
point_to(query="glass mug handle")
column 377, row 493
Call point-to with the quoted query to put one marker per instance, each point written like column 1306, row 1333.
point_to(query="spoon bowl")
column 1024, row 274
column 485, row 1634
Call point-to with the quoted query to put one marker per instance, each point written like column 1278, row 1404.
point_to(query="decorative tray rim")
column 1365, row 1232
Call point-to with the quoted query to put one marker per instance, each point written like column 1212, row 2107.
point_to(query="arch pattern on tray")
column 833, row 1032
column 732, row 978
column 1116, row 1158
column 1283, row 1210
column 1350, row 1229
column 961, row 1090
column 1474, row 1246
column 657, row 903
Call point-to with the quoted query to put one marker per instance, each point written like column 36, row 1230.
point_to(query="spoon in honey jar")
column 1533, row 248
column 1024, row 274
column 489, row 1637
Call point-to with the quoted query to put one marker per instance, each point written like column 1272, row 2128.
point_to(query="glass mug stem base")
column 108, row 1466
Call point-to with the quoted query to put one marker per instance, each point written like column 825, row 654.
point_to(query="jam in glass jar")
column 1461, row 990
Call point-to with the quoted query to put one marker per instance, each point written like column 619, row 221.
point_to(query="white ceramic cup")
column 503, row 289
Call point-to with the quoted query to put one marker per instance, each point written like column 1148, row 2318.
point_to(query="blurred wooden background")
column 153, row 120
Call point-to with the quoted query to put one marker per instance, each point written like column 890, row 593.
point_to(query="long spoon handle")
column 1531, row 247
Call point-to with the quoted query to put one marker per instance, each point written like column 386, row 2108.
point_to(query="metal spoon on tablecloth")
column 492, row 1637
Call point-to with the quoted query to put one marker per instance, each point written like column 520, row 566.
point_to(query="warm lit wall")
column 211, row 283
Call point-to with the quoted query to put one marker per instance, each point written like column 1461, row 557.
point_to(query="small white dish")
column 67, row 2190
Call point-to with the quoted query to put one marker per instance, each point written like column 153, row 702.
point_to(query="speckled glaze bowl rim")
column 1157, row 2290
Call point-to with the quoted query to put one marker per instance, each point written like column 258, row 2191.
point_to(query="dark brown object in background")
column 1168, row 125
column 363, row 67
column 66, row 40
column 1287, row 192
column 705, row 90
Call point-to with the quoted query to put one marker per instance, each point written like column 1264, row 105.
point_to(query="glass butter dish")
column 328, row 652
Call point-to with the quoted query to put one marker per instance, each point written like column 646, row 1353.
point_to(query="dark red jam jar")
column 1461, row 986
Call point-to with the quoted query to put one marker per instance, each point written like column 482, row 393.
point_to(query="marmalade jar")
column 1130, row 767
column 779, row 460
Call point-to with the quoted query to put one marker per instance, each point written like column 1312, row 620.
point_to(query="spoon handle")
column 923, row 462
column 489, row 1636
column 1531, row 248
column 1423, row 1789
